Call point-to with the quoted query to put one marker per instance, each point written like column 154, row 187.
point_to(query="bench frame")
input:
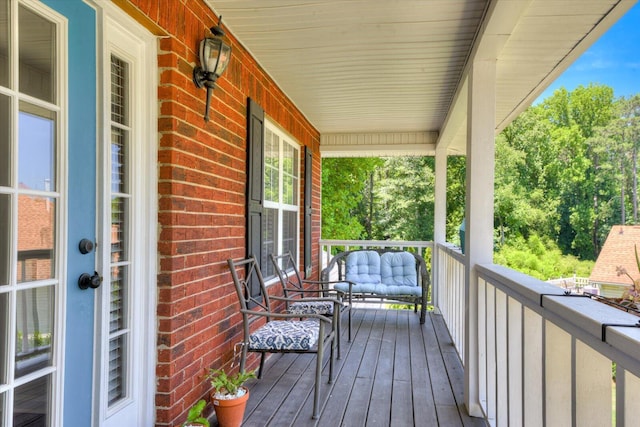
column 424, row 282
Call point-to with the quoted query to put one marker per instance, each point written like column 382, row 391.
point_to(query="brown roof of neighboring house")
column 618, row 250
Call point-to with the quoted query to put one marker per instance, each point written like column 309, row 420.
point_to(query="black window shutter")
column 255, row 185
column 308, row 161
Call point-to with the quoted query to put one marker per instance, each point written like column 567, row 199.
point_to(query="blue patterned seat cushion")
column 398, row 269
column 285, row 335
column 311, row 307
column 363, row 267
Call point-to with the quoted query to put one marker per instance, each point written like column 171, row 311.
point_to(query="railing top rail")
column 613, row 332
column 452, row 250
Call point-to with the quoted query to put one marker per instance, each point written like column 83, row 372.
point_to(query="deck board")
column 394, row 372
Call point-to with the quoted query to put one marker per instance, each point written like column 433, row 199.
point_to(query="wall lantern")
column 214, row 58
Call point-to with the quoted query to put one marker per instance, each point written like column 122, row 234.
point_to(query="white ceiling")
column 388, row 76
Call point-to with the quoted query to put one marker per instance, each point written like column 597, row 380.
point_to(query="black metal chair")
column 282, row 332
column 298, row 300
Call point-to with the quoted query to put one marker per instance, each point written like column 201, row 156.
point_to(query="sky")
column 613, row 60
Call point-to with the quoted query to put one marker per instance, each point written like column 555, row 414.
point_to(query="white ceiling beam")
column 380, row 144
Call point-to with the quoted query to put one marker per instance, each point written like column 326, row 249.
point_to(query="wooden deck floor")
column 395, row 372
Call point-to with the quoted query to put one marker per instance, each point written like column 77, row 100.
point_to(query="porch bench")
column 386, row 274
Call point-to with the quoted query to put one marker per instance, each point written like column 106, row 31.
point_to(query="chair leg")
column 243, row 357
column 261, row 364
column 331, row 355
column 349, row 323
column 338, row 331
column 316, row 388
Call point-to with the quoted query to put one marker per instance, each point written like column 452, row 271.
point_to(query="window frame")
column 280, row 206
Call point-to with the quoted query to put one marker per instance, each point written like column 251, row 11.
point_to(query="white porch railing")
column 449, row 291
column 545, row 358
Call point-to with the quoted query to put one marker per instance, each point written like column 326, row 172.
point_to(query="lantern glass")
column 225, row 56
column 209, row 54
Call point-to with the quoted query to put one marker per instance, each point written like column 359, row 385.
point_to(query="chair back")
column 242, row 281
column 288, row 274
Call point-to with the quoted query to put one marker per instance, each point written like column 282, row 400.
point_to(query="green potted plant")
column 195, row 418
column 229, row 396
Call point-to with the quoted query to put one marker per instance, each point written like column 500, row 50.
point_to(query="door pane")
column 119, row 88
column 4, row 340
column 118, row 229
column 36, row 224
column 2, row 400
column 31, row 403
column 36, row 50
column 118, row 160
column 118, row 312
column 5, row 238
column 36, row 148
column 34, row 336
column 117, row 366
column 5, row 143
column 4, row 54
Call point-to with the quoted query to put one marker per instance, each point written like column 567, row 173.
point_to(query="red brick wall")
column 202, row 182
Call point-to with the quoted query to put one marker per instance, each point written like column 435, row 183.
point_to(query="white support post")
column 439, row 221
column 478, row 210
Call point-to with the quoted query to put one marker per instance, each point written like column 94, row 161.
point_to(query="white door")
column 126, row 300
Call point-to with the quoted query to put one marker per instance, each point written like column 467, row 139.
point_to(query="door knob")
column 85, row 246
column 86, row 281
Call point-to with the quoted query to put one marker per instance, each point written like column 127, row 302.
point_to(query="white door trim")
column 121, row 35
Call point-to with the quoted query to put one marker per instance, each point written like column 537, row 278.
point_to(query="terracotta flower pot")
column 230, row 412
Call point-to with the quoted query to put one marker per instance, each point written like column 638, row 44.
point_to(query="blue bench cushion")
column 311, row 307
column 285, row 335
column 363, row 267
column 398, row 269
column 380, row 289
column 393, row 290
column 357, row 288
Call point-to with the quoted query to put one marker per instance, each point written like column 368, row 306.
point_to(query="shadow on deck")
column 394, row 372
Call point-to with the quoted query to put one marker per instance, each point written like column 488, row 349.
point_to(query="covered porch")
column 543, row 358
column 404, row 82
column 393, row 372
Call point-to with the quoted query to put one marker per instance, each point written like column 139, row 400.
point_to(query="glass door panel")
column 31, row 403
column 30, row 215
column 5, row 135
column 118, row 380
column 36, row 47
column 34, row 320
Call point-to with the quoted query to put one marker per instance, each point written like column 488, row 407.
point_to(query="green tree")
column 343, row 183
column 456, row 190
column 575, row 118
column 404, row 199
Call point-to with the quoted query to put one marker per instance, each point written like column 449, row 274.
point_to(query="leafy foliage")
column 195, row 414
column 344, row 182
column 229, row 383
column 541, row 258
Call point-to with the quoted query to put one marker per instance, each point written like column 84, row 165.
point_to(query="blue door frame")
column 81, row 208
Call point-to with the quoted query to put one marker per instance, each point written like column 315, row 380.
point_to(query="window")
column 281, row 196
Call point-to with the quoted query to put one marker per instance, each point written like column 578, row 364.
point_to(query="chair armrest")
column 307, row 299
column 285, row 315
